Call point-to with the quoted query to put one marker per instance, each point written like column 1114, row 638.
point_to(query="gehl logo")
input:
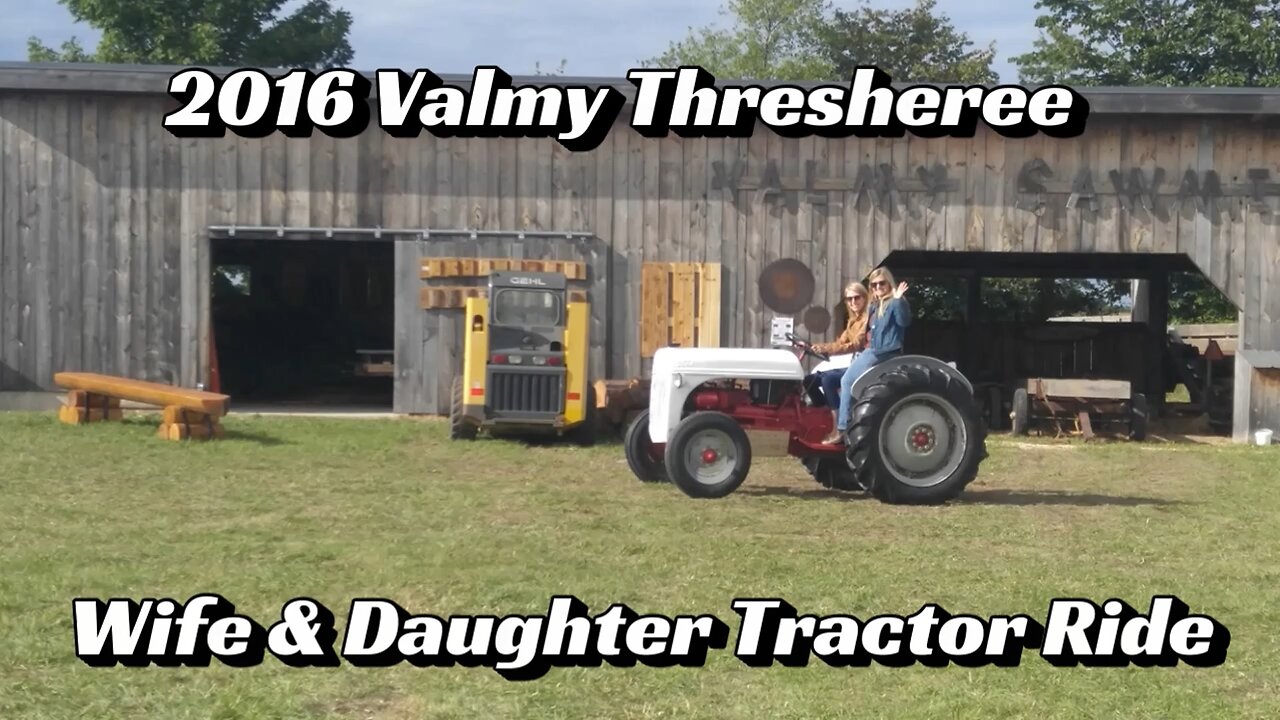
column 517, row 280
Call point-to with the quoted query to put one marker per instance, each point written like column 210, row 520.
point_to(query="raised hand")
column 900, row 290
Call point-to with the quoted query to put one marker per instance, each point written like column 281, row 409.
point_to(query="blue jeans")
column 863, row 362
column 829, row 381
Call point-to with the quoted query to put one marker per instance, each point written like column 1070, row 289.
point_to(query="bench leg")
column 182, row 424
column 82, row 407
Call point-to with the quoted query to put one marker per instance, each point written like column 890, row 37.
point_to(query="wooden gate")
column 680, row 305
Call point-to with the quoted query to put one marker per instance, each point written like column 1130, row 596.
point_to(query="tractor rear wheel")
column 709, row 455
column 459, row 428
column 917, row 437
column 643, row 461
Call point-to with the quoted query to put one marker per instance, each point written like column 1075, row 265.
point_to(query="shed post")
column 1158, row 337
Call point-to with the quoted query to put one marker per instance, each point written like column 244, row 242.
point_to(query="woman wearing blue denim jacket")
column 887, row 321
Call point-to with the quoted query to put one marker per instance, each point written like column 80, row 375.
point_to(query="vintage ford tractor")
column 916, row 436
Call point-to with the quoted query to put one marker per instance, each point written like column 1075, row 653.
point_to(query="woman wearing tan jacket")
column 824, row 387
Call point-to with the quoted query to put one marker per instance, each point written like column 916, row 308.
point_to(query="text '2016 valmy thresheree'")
column 686, row 101
column 380, row 633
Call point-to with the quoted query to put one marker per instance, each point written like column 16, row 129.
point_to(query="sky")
column 597, row 40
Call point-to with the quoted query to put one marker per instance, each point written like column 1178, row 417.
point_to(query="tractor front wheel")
column 645, row 464
column 917, row 437
column 709, row 455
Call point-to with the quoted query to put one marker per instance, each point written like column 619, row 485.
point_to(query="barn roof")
column 153, row 79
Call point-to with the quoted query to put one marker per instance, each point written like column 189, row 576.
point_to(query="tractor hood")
column 728, row 363
column 678, row 371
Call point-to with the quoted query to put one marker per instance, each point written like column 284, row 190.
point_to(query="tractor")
column 524, row 368
column 916, row 435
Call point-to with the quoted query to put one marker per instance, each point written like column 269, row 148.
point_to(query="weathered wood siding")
column 104, row 261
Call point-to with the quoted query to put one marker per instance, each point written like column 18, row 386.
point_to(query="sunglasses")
column 879, row 283
column 854, row 297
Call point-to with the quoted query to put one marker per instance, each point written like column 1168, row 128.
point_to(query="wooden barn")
column 283, row 270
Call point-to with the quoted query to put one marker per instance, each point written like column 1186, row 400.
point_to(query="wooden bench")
column 376, row 363
column 187, row 414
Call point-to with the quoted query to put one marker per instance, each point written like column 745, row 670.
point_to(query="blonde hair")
column 855, row 315
column 881, row 273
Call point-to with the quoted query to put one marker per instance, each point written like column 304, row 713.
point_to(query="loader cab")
column 526, row 365
column 526, row 354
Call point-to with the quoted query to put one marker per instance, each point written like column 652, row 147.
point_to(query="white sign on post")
column 781, row 326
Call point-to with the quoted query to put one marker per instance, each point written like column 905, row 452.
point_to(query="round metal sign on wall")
column 786, row 286
column 817, row 319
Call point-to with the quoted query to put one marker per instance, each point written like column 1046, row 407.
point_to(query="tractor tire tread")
column 636, row 444
column 459, row 428
column 861, row 440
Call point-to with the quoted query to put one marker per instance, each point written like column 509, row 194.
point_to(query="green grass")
column 339, row 509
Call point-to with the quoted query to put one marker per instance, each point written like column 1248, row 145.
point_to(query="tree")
column 1160, row 43
column 912, row 45
column 197, row 32
column 1155, row 42
column 765, row 40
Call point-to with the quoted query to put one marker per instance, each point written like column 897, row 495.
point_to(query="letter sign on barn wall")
column 886, row 188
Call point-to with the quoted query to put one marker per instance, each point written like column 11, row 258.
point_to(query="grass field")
column 337, row 509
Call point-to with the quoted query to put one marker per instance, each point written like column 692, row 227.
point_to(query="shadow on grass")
column 814, row 493
column 147, row 424
column 971, row 497
column 254, row 437
column 1054, row 497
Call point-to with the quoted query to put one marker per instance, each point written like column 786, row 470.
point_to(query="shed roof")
column 153, row 79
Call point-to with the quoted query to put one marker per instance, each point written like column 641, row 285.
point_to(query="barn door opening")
column 304, row 323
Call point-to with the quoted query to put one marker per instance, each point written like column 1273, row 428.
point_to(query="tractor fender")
column 873, row 374
column 667, row 398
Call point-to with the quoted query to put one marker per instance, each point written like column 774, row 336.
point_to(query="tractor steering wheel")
column 806, row 347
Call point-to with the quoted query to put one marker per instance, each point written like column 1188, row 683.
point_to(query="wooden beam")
column 436, row 267
column 1078, row 388
column 448, row 297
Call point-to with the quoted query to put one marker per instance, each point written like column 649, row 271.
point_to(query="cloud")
column 603, row 39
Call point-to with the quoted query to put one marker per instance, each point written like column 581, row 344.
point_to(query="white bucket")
column 1262, row 437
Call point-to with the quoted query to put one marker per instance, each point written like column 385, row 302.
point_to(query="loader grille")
column 526, row 392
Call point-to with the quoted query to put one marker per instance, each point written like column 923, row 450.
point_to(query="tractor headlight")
column 539, row 360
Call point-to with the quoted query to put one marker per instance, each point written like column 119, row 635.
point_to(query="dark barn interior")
column 304, row 322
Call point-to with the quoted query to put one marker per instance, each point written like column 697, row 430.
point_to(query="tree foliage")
column 809, row 40
column 197, row 32
column 915, row 44
column 1155, row 42
column 763, row 40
